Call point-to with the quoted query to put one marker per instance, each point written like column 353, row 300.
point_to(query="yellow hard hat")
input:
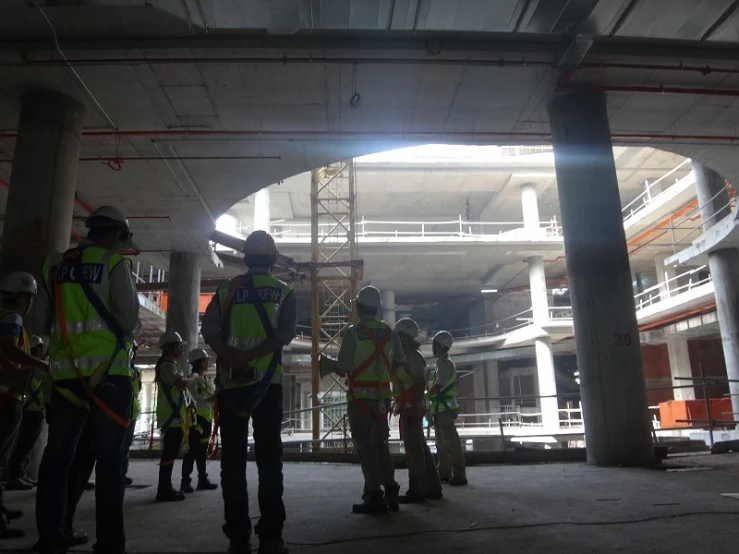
column 259, row 243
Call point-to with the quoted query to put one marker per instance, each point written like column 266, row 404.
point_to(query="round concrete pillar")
column 184, row 296
column 388, row 307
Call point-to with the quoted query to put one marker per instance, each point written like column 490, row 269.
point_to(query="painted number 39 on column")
column 622, row 339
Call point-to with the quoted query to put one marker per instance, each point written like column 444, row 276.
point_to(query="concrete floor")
column 572, row 508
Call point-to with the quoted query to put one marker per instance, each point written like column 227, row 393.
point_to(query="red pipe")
column 658, row 89
column 82, row 204
column 702, row 69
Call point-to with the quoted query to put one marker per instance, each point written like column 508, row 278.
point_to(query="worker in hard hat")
column 38, row 391
column 409, row 392
column 17, row 292
column 203, row 393
column 370, row 352
column 90, row 310
column 444, row 393
column 135, row 413
column 247, row 324
column 174, row 414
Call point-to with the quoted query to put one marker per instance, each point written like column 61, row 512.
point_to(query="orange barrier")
column 673, row 413
column 202, row 304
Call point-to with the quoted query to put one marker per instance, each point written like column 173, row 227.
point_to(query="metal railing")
column 646, row 198
column 671, row 288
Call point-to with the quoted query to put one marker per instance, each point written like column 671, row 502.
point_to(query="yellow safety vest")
column 446, row 399
column 91, row 343
column 170, row 398
column 403, row 381
column 243, row 327
column 13, row 381
column 38, row 394
column 205, row 390
column 370, row 378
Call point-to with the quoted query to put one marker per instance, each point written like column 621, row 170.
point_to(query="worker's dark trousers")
column 79, row 473
column 66, row 425
column 267, row 422
column 171, row 445
column 197, row 451
column 127, row 446
column 28, row 434
column 10, row 419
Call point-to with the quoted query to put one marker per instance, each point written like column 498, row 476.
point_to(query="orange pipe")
column 667, row 320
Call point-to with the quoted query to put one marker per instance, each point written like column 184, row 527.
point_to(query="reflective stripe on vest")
column 373, row 381
column 169, row 397
column 205, row 391
column 90, row 341
column 245, row 328
column 446, row 399
column 403, row 382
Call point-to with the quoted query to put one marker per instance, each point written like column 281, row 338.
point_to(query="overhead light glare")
column 489, row 291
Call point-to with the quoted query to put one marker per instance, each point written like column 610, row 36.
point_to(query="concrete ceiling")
column 272, row 82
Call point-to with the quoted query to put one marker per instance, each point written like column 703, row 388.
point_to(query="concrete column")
column 388, row 307
column 664, row 274
column 614, row 398
column 38, row 216
column 680, row 367
column 262, row 210
column 713, row 196
column 487, row 385
column 543, row 346
column 724, row 266
column 530, row 206
column 184, row 296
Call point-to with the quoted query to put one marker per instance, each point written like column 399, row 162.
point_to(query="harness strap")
column 74, row 257
column 176, row 408
column 34, row 397
column 440, row 397
column 213, row 446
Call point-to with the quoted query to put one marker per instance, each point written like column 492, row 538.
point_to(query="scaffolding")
column 335, row 270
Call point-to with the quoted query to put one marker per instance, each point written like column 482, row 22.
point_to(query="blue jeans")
column 66, row 424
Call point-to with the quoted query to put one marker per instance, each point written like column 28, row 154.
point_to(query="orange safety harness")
column 89, row 390
column 379, row 352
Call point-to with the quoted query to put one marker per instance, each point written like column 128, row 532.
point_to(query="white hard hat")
column 197, row 354
column 407, row 326
column 18, row 282
column 35, row 341
column 444, row 339
column 370, row 297
column 170, row 337
column 109, row 216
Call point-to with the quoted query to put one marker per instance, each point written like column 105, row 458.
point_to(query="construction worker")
column 135, row 413
column 90, row 311
column 174, row 413
column 17, row 291
column 370, row 352
column 38, row 391
column 203, row 393
column 444, row 392
column 409, row 392
column 248, row 322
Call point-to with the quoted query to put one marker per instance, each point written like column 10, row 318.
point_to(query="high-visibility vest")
column 13, row 380
column 370, row 380
column 243, row 328
column 169, row 398
column 91, row 343
column 446, row 399
column 403, row 382
column 136, row 382
column 38, row 394
column 205, row 390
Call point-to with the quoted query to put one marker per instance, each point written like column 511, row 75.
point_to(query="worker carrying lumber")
column 203, row 394
column 175, row 411
column 249, row 321
column 370, row 352
column 90, row 312
column 135, row 413
column 38, row 392
column 444, row 391
column 409, row 392
column 17, row 292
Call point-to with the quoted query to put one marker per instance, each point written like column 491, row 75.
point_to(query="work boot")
column 128, row 481
column 27, row 479
column 11, row 514
column 391, row 496
column 90, row 486
column 241, row 545
column 186, row 486
column 18, row 485
column 457, row 482
column 436, row 495
column 76, row 537
column 11, row 533
column 272, row 546
column 375, row 504
column 411, row 497
column 206, row 485
column 170, row 495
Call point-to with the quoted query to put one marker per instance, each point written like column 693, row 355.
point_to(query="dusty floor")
column 573, row 508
